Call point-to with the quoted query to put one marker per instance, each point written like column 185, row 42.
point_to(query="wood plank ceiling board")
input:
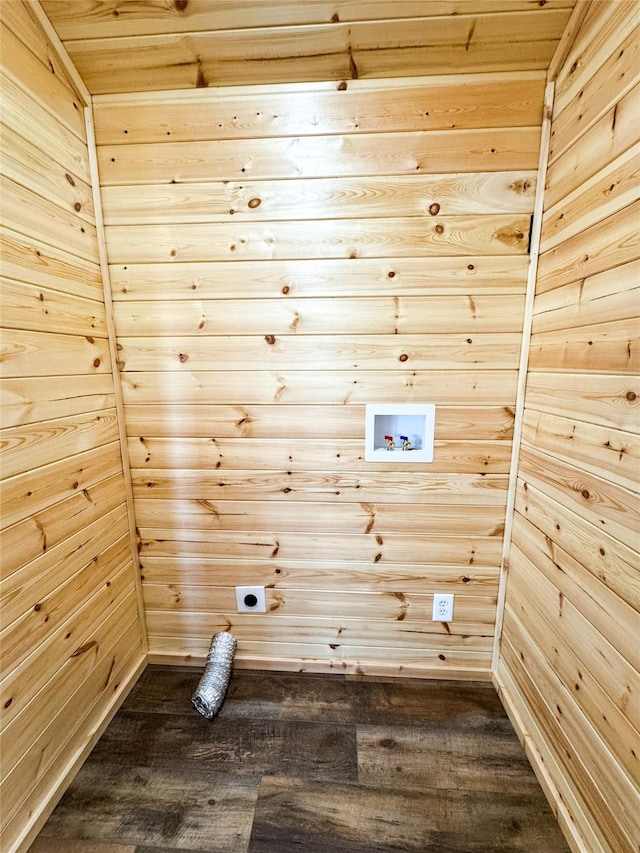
column 124, row 47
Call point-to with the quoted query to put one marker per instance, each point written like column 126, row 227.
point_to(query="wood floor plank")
column 243, row 747
column 257, row 695
column 313, row 762
column 411, row 757
column 441, row 705
column 181, row 808
column 43, row 844
column 328, row 698
column 320, row 817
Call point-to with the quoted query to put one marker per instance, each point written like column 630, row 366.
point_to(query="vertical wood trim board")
column 70, row 632
column 534, row 252
column 567, row 39
column 36, row 10
column 568, row 669
column 312, row 249
column 119, row 402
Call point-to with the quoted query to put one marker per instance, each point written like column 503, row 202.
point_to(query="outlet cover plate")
column 244, row 602
column 442, row 607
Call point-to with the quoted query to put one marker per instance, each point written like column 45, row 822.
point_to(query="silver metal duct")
column 213, row 685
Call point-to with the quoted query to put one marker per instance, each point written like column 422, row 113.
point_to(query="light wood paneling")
column 41, row 310
column 607, row 297
column 315, row 248
column 37, row 533
column 56, row 226
column 28, row 400
column 569, row 667
column 70, row 633
column 601, row 247
column 28, row 354
column 373, row 548
column 413, row 488
column 117, row 49
column 605, row 400
column 32, row 446
column 610, row 137
column 54, row 566
column 80, row 19
column 509, row 192
column 398, row 237
column 49, row 90
column 440, row 276
column 310, row 454
column 610, row 453
column 32, row 628
column 322, row 156
column 311, row 574
column 334, row 316
column 37, row 747
column 354, row 385
column 343, row 352
column 27, row 259
column 446, row 102
column 610, row 561
column 216, row 423
column 610, row 81
column 27, row 164
column 327, row 630
column 617, row 185
column 40, row 128
column 207, row 513
column 602, row 30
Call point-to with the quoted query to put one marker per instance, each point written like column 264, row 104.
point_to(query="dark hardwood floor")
column 314, row 763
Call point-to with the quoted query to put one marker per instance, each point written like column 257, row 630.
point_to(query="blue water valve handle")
column 406, row 444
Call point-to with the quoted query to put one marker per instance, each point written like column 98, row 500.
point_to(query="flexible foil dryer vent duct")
column 213, row 685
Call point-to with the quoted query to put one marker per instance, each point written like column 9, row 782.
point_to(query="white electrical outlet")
column 442, row 607
column 251, row 599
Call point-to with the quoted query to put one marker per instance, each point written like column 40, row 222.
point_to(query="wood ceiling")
column 134, row 45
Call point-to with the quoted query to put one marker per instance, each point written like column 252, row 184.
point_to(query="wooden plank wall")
column 70, row 632
column 569, row 652
column 281, row 256
column 120, row 46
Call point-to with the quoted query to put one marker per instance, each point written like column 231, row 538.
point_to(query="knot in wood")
column 439, row 229
column 404, row 357
column 270, row 339
column 182, row 357
column 254, row 202
column 434, row 209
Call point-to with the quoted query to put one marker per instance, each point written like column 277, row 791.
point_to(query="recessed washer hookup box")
column 400, row 432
